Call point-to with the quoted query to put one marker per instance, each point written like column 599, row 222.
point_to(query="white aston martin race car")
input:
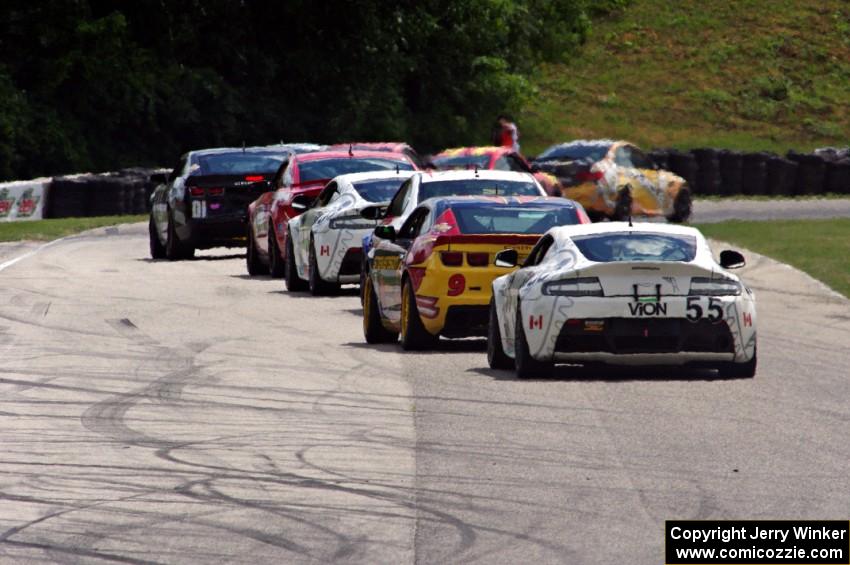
column 327, row 237
column 647, row 294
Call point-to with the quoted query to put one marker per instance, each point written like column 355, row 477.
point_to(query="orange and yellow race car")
column 492, row 158
column 433, row 277
column 615, row 180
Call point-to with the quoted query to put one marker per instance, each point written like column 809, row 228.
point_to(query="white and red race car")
column 326, row 239
column 622, row 294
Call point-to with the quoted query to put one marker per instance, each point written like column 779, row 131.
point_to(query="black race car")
column 203, row 202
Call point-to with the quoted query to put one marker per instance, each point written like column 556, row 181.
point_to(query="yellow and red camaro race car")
column 433, row 277
column 615, row 180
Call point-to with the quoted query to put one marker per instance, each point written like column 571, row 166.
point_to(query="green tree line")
column 100, row 84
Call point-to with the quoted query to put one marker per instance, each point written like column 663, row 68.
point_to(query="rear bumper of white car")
column 680, row 358
column 620, row 330
column 339, row 254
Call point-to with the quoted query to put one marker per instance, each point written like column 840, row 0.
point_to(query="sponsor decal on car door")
column 387, row 272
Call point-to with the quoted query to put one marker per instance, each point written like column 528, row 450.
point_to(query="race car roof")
column 374, row 175
column 434, row 176
column 620, row 227
column 475, row 201
column 578, row 142
column 390, row 146
column 355, row 154
column 470, row 151
column 277, row 148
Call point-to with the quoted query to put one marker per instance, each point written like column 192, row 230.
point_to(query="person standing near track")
column 505, row 133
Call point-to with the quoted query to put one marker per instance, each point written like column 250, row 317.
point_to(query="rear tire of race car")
column 176, row 250
column 623, row 206
column 527, row 367
column 293, row 281
column 373, row 330
column 414, row 336
column 318, row 286
column 740, row 370
column 253, row 263
column 277, row 268
column 682, row 207
column 157, row 248
column 496, row 357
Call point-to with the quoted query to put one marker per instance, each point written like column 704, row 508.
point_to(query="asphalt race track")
column 780, row 209
column 185, row 413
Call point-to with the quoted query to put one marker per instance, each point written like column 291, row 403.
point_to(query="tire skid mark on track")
column 107, row 417
column 402, row 498
column 43, row 326
column 339, row 387
column 430, row 546
column 302, row 457
column 61, row 553
column 126, row 328
column 230, row 484
column 21, row 386
column 375, row 356
column 203, row 490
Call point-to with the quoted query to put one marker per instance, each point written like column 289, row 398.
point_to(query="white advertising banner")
column 23, row 200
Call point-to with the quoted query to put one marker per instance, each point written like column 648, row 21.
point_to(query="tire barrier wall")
column 731, row 171
column 754, row 174
column 110, row 194
column 781, row 176
column 724, row 172
column 683, row 164
column 708, row 171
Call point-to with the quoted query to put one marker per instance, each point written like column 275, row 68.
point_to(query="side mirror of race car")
column 301, row 202
column 507, row 258
column 385, row 232
column 373, row 212
column 731, row 259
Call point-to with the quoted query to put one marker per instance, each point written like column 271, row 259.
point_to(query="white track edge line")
column 6, row 264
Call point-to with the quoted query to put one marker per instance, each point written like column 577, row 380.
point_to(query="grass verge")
column 819, row 247
column 45, row 230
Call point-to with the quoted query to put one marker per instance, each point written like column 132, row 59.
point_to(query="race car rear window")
column 330, row 168
column 589, row 153
column 611, row 247
column 378, row 190
column 511, row 219
column 463, row 162
column 477, row 187
column 236, row 164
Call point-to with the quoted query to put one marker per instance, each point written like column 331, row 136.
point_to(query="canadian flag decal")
column 748, row 319
column 325, row 250
column 535, row 322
